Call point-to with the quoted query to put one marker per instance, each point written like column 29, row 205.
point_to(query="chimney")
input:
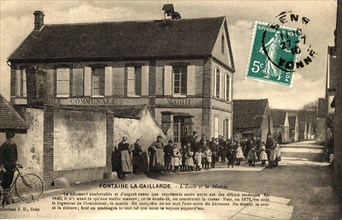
column 38, row 20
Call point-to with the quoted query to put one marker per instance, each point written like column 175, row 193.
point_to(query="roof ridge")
column 132, row 21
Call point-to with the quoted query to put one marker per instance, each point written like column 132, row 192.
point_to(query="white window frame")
column 180, row 94
column 228, row 88
column 229, row 128
column 216, row 126
column 23, row 84
column 92, row 82
column 217, row 87
column 133, row 81
column 59, row 72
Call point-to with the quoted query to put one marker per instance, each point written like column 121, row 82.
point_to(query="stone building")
column 307, row 122
column 252, row 118
column 74, row 76
column 281, row 124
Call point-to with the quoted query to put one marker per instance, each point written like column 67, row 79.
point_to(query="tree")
column 312, row 106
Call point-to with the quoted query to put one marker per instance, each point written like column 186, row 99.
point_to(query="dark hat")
column 9, row 134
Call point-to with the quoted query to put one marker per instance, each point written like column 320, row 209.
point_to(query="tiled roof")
column 120, row 40
column 278, row 117
column 10, row 118
column 248, row 113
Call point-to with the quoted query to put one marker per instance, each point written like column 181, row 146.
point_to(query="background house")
column 281, row 124
column 307, row 121
column 252, row 118
column 293, row 124
column 323, row 133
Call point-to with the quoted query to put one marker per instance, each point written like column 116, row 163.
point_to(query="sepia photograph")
column 178, row 109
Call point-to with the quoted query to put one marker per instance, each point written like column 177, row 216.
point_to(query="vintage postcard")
column 170, row 110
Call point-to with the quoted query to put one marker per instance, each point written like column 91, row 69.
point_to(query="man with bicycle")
column 8, row 159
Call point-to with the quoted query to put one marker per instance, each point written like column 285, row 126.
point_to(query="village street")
column 300, row 188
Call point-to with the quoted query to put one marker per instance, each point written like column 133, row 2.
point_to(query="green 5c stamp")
column 273, row 53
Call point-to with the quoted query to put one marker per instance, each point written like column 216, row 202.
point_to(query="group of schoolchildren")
column 255, row 149
column 193, row 155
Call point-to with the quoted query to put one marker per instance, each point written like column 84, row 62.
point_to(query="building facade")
column 78, row 74
column 252, row 118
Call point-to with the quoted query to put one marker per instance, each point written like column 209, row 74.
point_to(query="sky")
column 309, row 82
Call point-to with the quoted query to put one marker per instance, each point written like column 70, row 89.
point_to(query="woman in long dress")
column 158, row 155
column 126, row 158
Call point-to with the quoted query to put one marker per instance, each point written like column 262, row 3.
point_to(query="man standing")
column 269, row 150
column 8, row 159
column 168, row 149
column 214, row 149
column 126, row 158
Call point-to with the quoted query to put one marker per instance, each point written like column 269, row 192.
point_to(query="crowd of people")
column 194, row 154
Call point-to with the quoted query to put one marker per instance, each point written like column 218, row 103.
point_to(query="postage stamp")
column 273, row 53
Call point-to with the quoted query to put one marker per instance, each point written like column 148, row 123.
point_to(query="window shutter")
column 87, row 81
column 18, row 83
column 167, row 80
column 214, row 83
column 130, row 81
column 191, row 80
column 144, row 80
column 108, row 81
column 50, row 83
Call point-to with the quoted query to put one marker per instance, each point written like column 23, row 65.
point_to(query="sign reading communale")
column 85, row 101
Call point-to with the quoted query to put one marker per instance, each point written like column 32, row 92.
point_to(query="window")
column 229, row 128
column 21, row 84
column 181, row 126
column 134, row 81
column 225, row 128
column 216, row 127
column 62, row 82
column 218, row 80
column 176, row 130
column 137, row 79
column 179, row 80
column 98, row 81
column 227, row 88
column 222, row 44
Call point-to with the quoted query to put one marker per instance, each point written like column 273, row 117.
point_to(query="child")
column 198, row 160
column 189, row 158
column 208, row 157
column 239, row 154
column 175, row 158
column 277, row 155
column 183, row 155
column 252, row 157
column 231, row 156
column 263, row 155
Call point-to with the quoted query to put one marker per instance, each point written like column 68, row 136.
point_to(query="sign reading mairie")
column 179, row 101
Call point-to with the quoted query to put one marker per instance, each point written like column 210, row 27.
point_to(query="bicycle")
column 28, row 187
